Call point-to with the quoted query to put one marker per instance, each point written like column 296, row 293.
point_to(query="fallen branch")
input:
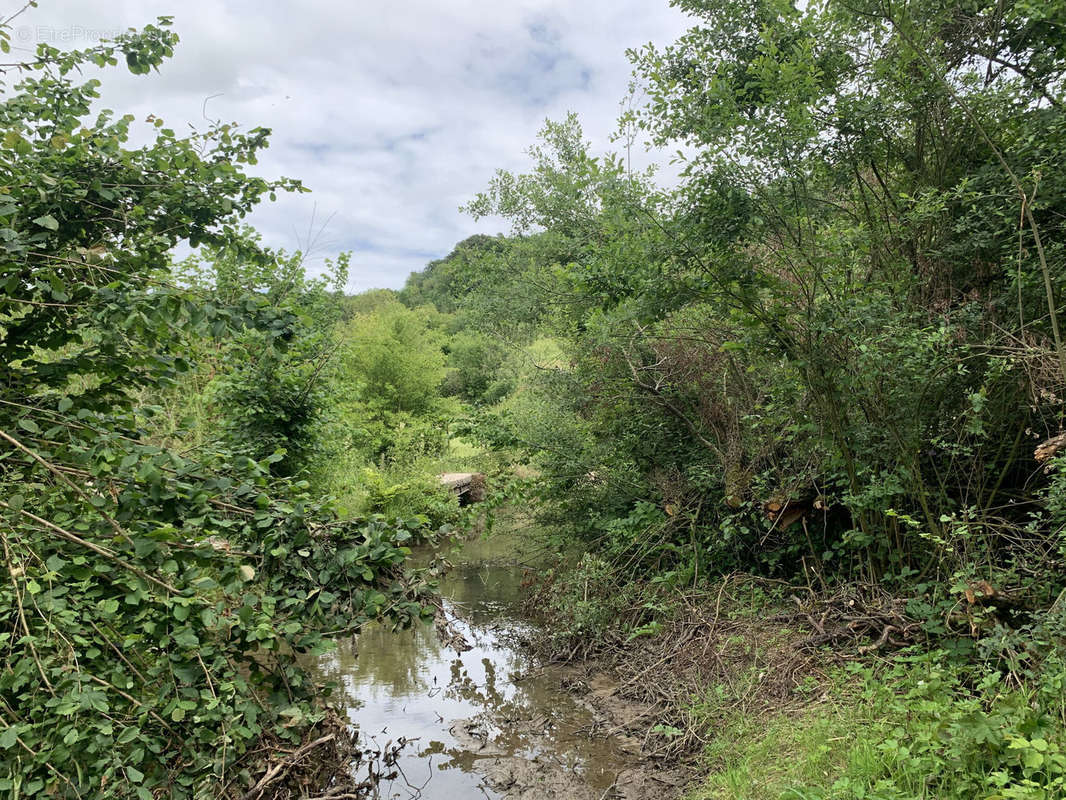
column 279, row 770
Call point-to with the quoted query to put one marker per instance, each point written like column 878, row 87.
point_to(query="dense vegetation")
column 831, row 355
column 828, row 357
column 166, row 561
column 845, row 311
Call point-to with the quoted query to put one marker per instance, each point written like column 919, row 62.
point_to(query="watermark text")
column 66, row 34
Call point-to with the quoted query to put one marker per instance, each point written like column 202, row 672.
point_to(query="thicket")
column 167, row 563
column 832, row 350
column 831, row 354
column 391, row 427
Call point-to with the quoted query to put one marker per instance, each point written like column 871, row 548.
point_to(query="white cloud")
column 393, row 113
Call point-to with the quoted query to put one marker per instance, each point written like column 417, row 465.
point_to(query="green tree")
column 395, row 357
column 267, row 387
column 837, row 308
column 156, row 597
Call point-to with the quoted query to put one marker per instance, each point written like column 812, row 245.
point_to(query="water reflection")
column 464, row 710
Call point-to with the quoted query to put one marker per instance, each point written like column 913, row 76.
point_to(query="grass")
column 919, row 728
column 776, row 721
column 772, row 759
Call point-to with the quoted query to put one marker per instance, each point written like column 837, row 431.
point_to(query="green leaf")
column 1032, row 759
column 47, row 221
column 9, row 737
column 128, row 735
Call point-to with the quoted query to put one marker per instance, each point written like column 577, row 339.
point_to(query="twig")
column 103, row 551
column 22, row 616
column 279, row 769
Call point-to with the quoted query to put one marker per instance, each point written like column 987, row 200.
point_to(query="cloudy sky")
column 393, row 112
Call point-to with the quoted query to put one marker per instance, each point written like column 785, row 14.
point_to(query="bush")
column 475, row 362
column 407, row 493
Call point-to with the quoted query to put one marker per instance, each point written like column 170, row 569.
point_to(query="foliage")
column 831, row 355
column 388, row 433
column 157, row 596
column 396, row 357
column 449, row 281
column 477, row 368
column 265, row 384
column 411, row 491
column 581, row 603
column 916, row 728
column 832, row 349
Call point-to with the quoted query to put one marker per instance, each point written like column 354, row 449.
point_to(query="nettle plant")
column 154, row 601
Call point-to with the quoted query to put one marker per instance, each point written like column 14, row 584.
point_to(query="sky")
column 393, row 113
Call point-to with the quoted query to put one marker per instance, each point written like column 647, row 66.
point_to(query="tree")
column 266, row 383
column 156, row 597
column 836, row 310
column 396, row 357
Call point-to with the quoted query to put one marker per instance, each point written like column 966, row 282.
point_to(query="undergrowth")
column 746, row 692
column 917, row 726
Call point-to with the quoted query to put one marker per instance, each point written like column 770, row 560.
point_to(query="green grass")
column 769, row 760
column 462, row 452
column 918, row 729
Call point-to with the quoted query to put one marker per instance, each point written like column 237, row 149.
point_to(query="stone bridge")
column 469, row 487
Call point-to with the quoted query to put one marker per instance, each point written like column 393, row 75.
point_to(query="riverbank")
column 552, row 681
column 761, row 693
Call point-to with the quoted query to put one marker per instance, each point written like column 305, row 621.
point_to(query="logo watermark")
column 67, row 34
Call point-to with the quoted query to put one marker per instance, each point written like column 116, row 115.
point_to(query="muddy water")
column 483, row 723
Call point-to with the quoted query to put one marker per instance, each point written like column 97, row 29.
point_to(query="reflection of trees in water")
column 484, row 592
column 485, row 696
column 397, row 660
column 522, row 718
column 335, row 664
column 518, row 718
column 507, row 716
column 383, row 659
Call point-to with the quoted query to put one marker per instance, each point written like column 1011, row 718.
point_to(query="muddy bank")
column 492, row 721
column 741, row 647
column 609, row 718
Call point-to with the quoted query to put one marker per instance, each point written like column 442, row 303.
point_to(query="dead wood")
column 743, row 658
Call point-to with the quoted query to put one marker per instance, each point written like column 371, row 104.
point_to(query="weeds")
column 743, row 683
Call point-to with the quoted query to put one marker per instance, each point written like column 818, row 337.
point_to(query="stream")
column 485, row 723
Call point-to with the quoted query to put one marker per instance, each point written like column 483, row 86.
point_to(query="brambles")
column 157, row 591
